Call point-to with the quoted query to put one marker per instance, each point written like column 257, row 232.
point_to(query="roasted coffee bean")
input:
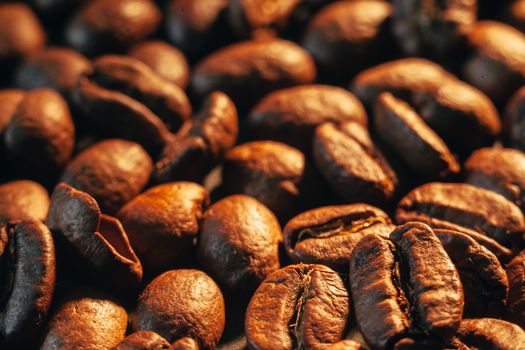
column 515, row 310
column 165, row 60
column 112, row 25
column 503, row 253
column 401, row 77
column 435, row 28
column 163, row 222
column 465, row 205
column 97, row 242
column 484, row 280
column 182, row 303
column 55, row 68
column 399, row 287
column 195, row 26
column 27, row 280
column 125, row 98
column 256, row 17
column 86, row 319
column 143, row 340
column 501, row 170
column 200, row 143
column 111, row 171
column 269, row 171
column 239, row 243
column 185, row 343
column 291, row 115
column 414, row 142
column 248, row 70
column 496, row 63
column 136, row 80
column 298, row 307
column 489, row 333
column 40, row 136
column 347, row 36
column 21, row 32
column 514, row 120
column 446, row 104
column 350, row 162
column 23, row 200
column 327, row 235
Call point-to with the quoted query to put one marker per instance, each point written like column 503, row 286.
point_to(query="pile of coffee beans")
column 262, row 174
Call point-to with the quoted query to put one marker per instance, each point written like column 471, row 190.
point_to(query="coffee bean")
column 515, row 310
column 97, row 242
column 515, row 14
column 446, row 104
column 248, row 70
column 201, row 142
column 86, row 319
column 23, row 200
column 21, row 32
column 40, row 136
column 501, row 170
column 291, row 115
column 347, row 36
column 438, row 29
column 298, row 307
column 489, row 333
column 136, row 80
column 182, row 303
column 327, row 235
column 112, row 25
column 163, row 222
column 111, row 171
column 196, row 26
column 143, row 340
column 353, row 166
column 405, row 132
column 55, row 68
column 495, row 65
column 398, row 287
column 239, row 243
column 484, row 280
column 27, row 280
column 269, row 171
column 256, row 18
column 465, row 205
column 165, row 60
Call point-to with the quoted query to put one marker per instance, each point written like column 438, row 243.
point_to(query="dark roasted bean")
column 515, row 311
column 350, row 162
column 327, row 235
column 399, row 287
column 200, row 143
column 248, row 70
column 96, row 241
column 143, row 340
column 111, row 171
column 465, row 205
column 163, row 222
column 239, row 243
column 182, row 303
column 27, row 280
column 86, row 319
column 291, row 115
column 112, row 25
column 298, row 307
